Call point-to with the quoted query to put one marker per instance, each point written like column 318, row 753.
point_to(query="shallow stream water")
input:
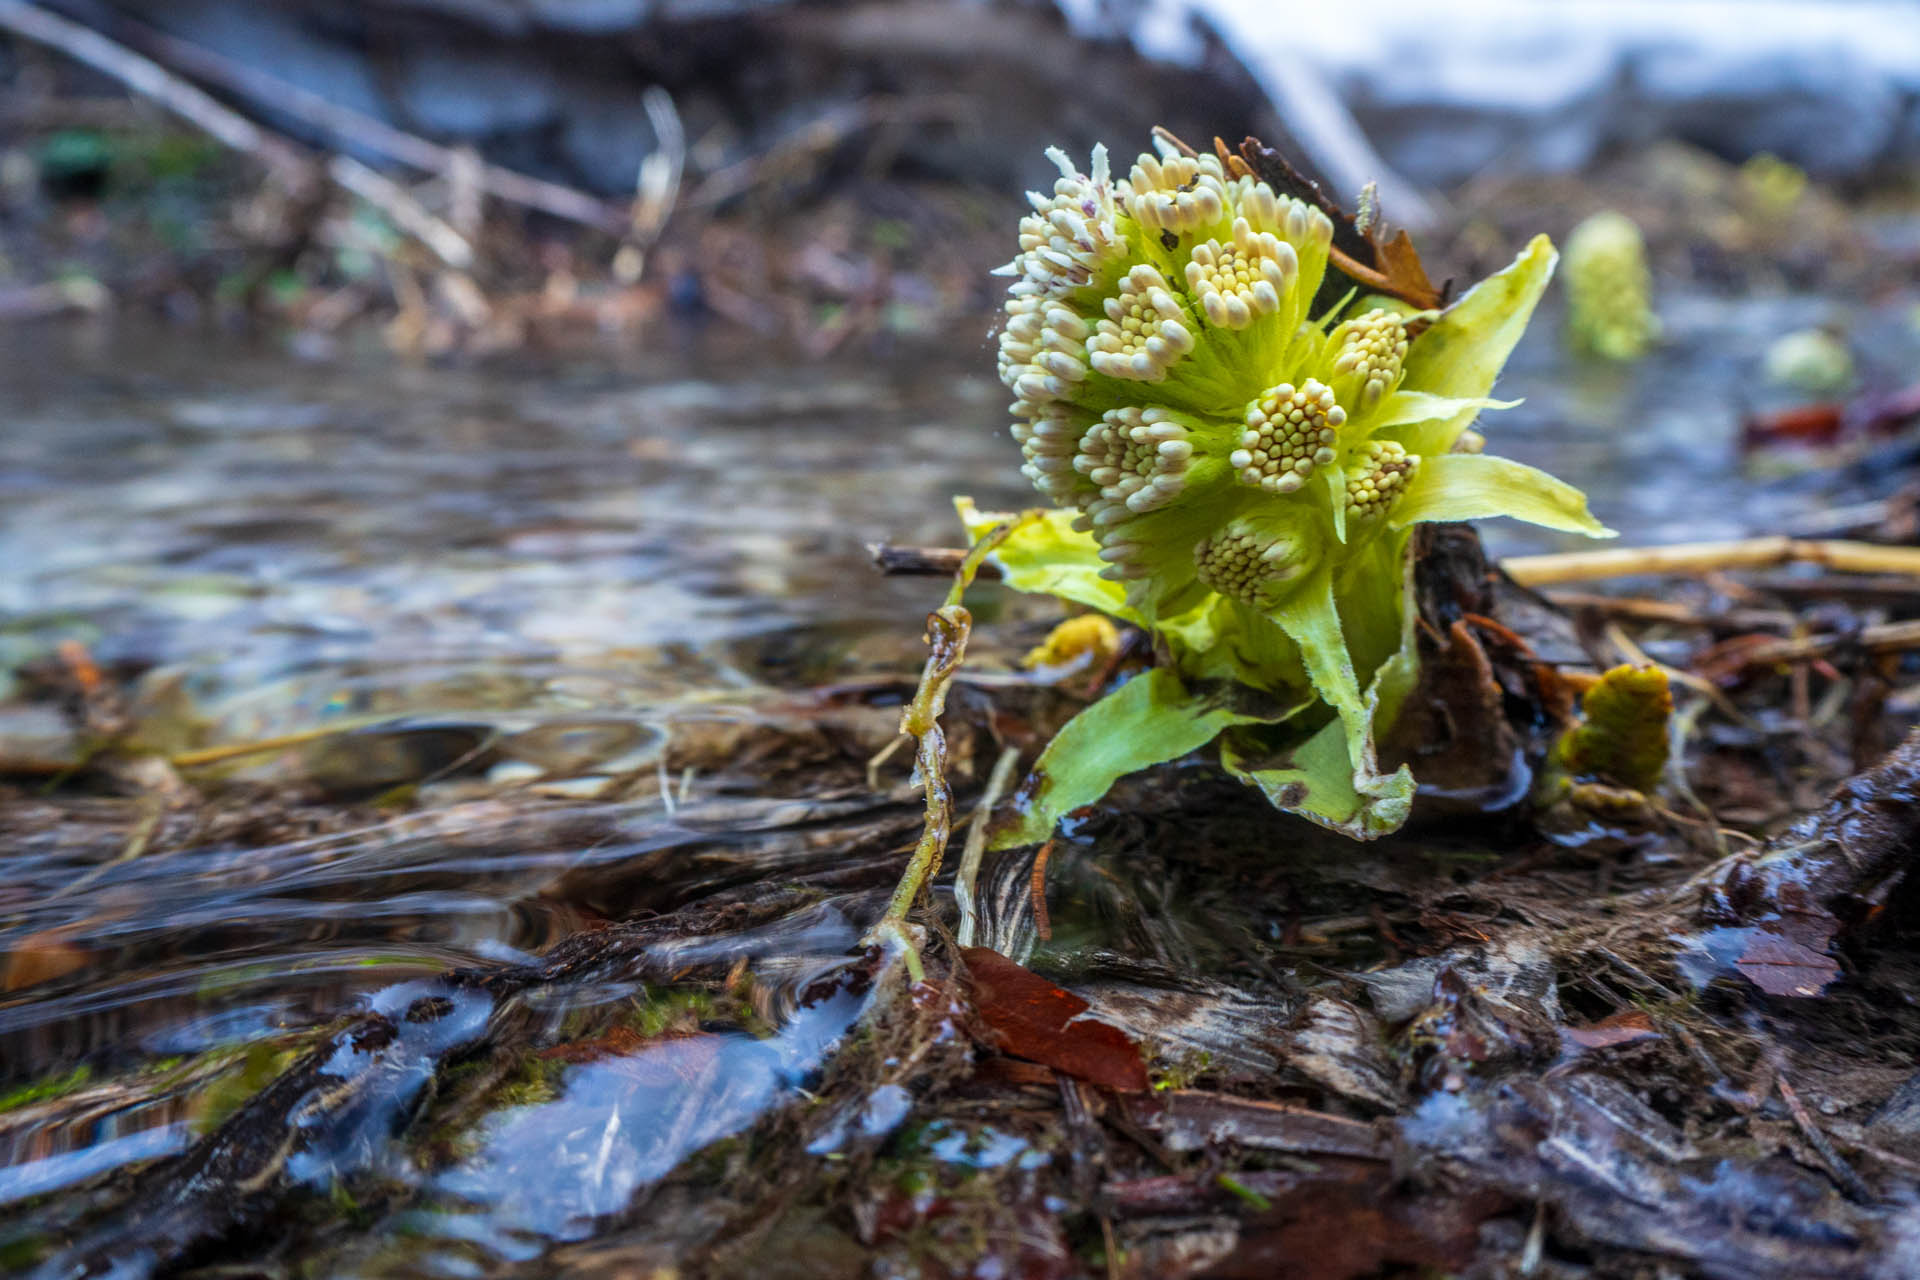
column 523, row 583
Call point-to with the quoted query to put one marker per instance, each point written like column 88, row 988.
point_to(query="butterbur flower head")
column 1245, row 469
column 1177, row 193
column 1137, row 457
column 1048, row 435
column 1071, row 238
column 1235, row 283
column 1143, row 331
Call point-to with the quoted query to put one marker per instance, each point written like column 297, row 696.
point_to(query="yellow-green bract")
column 1239, row 476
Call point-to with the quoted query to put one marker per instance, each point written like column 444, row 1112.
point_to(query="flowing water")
column 519, row 592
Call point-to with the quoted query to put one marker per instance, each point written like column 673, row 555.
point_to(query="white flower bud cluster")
column 1144, row 331
column 1247, row 564
column 1267, row 210
column 1138, row 458
column 1071, row 237
column 1048, row 438
column 1177, row 193
column 1380, row 480
column 1234, row 284
column 1372, row 348
column 1289, row 432
column 1042, row 350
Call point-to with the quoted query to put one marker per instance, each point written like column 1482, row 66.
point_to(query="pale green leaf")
column 1227, row 641
column 1410, row 408
column 1398, row 675
column 1331, row 778
column 1149, row 720
column 1477, row 486
column 1311, row 619
column 1316, row 781
column 1462, row 353
column 1047, row 556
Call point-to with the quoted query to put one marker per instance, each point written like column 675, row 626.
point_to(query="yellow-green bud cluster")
column 1383, row 473
column 1372, row 349
column 1289, row 432
column 1252, row 564
column 1609, row 289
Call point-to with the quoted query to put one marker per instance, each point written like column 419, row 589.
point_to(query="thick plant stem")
column 947, row 631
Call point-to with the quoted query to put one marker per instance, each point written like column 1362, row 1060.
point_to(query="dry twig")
column 1708, row 557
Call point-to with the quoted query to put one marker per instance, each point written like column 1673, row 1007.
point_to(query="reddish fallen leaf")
column 1033, row 1019
column 81, row 666
column 1015, row 1073
column 1727, row 662
column 617, row 1041
column 1873, row 414
column 1802, row 424
column 1629, row 1026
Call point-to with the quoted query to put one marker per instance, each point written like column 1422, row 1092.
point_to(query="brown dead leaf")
column 1033, row 1019
column 1346, row 1230
column 1454, row 730
column 1782, row 966
column 41, row 957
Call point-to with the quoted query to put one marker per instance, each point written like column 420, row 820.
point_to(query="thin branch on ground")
column 1709, row 557
column 406, row 213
